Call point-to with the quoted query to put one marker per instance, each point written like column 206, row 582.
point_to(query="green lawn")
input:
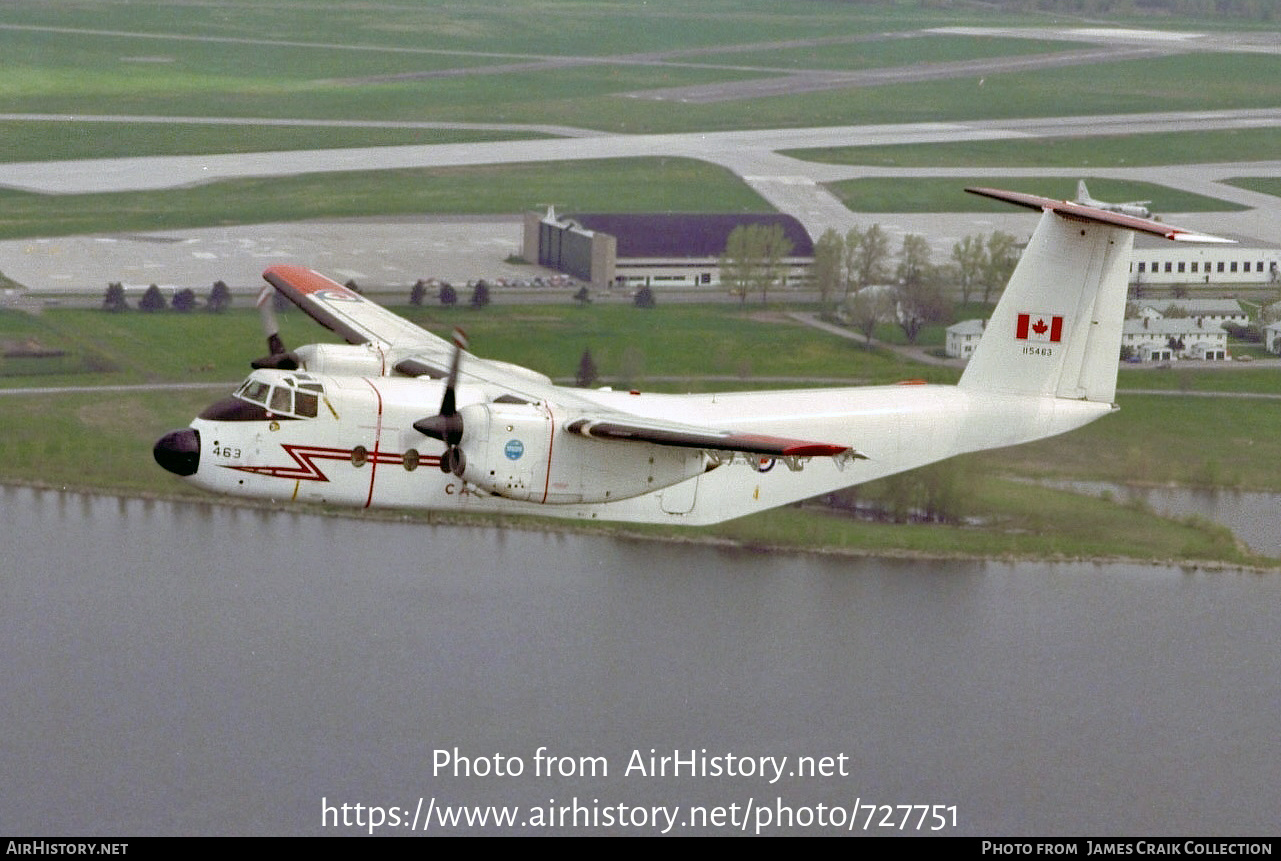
column 947, row 194
column 1263, row 184
column 341, row 62
column 57, row 140
column 1081, row 152
column 615, row 185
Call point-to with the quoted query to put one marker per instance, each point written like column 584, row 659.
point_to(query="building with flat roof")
column 650, row 249
column 1158, row 262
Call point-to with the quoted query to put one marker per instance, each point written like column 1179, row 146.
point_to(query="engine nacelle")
column 355, row 360
column 521, row 451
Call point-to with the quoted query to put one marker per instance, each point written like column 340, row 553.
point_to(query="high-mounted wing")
column 418, row 352
column 348, row 314
column 685, row 436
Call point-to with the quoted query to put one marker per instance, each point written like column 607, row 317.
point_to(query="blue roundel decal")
column 514, row 449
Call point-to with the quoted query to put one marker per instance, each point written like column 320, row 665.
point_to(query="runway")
column 399, row 251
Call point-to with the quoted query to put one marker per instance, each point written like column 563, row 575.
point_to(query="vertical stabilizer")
column 1057, row 327
column 1056, row 330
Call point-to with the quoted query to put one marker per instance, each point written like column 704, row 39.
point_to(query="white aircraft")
column 398, row 417
column 1137, row 208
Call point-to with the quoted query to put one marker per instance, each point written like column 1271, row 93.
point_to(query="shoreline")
column 623, row 531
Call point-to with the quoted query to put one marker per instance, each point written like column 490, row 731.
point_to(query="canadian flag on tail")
column 1046, row 328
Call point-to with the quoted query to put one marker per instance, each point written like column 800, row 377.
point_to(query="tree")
column 114, row 299
column 921, row 301
column 586, row 374
column 352, row 285
column 448, row 295
column 828, row 270
column 739, row 262
column 480, row 295
column 969, row 257
column 867, row 309
column 583, row 296
column 919, row 293
column 644, row 298
column 418, row 293
column 753, row 259
column 184, row 300
column 219, row 298
column 867, row 255
column 776, row 248
column 998, row 263
column 913, row 259
column 152, row 300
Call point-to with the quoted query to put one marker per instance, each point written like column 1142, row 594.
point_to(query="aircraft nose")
column 179, row 451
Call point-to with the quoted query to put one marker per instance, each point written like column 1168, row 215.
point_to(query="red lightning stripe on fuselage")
column 305, row 457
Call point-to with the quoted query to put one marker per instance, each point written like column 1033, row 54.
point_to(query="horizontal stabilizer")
column 1081, row 212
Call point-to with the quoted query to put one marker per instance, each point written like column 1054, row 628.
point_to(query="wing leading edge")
column 681, row 436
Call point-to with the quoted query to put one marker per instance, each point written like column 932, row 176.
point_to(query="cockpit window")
column 255, row 391
column 293, row 395
column 305, row 404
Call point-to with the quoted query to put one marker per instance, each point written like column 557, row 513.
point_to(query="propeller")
column 278, row 358
column 447, row 425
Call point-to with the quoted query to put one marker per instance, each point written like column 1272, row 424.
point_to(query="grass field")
column 1093, row 152
column 58, row 140
column 338, row 62
column 1266, row 185
column 615, row 185
column 947, row 194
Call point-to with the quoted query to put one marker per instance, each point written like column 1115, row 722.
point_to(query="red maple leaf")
column 1040, row 328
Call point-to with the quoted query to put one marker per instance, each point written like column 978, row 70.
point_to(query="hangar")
column 1156, row 262
column 650, row 249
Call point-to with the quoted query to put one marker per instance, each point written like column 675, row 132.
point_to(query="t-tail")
column 1056, row 330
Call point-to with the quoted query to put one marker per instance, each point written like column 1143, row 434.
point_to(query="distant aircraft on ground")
column 1137, row 208
column 399, row 417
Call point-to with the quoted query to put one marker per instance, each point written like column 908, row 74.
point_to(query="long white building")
column 1158, row 263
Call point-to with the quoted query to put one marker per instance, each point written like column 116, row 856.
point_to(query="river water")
column 188, row 668
column 1254, row 517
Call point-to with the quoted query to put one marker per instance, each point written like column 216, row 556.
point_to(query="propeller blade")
column 285, row 361
column 447, row 425
column 447, row 403
column 278, row 356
